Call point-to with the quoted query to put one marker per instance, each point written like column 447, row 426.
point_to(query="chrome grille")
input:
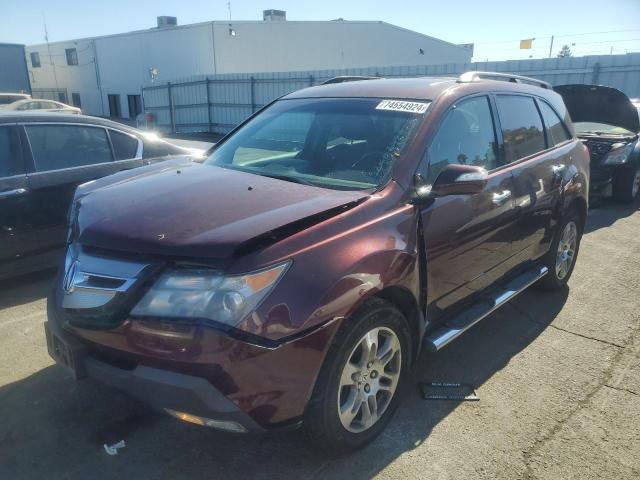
column 99, row 291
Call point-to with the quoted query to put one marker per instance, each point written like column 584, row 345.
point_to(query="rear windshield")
column 339, row 143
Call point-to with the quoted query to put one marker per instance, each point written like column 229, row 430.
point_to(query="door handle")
column 500, row 199
column 16, row 192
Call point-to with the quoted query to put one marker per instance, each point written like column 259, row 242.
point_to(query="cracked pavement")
column 558, row 377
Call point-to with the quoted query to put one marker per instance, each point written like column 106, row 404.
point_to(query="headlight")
column 618, row 155
column 203, row 294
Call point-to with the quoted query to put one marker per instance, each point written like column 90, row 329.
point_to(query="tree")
column 565, row 51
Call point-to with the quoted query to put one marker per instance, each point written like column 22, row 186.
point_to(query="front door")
column 467, row 237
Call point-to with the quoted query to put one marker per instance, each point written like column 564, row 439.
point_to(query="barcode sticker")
column 402, row 106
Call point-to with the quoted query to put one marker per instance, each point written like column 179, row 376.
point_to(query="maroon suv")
column 294, row 276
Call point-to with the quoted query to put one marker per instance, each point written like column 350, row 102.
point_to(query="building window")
column 135, row 105
column 114, row 106
column 62, row 97
column 35, row 59
column 72, row 56
column 75, row 99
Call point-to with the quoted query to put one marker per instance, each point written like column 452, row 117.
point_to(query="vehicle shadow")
column 609, row 212
column 25, row 289
column 52, row 426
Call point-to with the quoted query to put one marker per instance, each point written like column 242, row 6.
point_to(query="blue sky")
column 495, row 26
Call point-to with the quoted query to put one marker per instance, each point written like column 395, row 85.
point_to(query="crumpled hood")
column 595, row 103
column 200, row 211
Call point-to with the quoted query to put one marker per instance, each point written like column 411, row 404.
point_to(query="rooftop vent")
column 274, row 15
column 164, row 21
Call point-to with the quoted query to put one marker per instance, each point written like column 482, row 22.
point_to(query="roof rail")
column 346, row 78
column 509, row 77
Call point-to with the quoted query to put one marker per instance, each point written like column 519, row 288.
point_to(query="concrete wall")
column 294, row 46
column 125, row 60
column 55, row 75
column 14, row 76
column 119, row 64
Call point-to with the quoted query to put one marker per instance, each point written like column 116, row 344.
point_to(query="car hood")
column 200, row 211
column 595, row 103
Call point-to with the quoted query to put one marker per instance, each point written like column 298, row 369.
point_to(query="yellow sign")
column 526, row 43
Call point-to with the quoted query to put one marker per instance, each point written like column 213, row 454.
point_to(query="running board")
column 457, row 325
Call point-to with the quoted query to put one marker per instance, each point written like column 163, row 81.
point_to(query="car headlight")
column 203, row 294
column 618, row 155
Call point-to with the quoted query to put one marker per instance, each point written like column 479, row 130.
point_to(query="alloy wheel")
column 369, row 379
column 566, row 250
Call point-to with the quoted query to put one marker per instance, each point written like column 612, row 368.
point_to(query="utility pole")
column 53, row 65
column 551, row 47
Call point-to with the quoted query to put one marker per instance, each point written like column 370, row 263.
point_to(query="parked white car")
column 33, row 104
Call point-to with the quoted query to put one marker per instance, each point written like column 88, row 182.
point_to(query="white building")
column 104, row 75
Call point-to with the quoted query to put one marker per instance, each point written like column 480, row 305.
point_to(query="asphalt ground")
column 558, row 376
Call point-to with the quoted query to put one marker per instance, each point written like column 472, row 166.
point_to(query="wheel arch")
column 406, row 302
column 580, row 205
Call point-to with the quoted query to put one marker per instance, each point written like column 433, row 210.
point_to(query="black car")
column 43, row 157
column 608, row 123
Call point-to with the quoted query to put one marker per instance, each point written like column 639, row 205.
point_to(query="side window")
column 466, row 136
column 521, row 126
column 125, row 146
column 8, row 154
column 66, row 146
column 556, row 131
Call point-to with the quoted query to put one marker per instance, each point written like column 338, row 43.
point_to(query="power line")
column 559, row 36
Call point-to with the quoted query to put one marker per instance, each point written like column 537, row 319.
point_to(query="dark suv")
column 294, row 276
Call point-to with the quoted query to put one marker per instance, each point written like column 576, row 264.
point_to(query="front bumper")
column 200, row 372
column 184, row 396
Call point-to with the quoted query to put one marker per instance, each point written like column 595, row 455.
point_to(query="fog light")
column 229, row 426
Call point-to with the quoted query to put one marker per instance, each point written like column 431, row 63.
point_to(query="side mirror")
column 453, row 180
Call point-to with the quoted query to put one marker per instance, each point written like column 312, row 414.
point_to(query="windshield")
column 339, row 143
column 600, row 128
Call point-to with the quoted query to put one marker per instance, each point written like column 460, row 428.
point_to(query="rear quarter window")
column 125, row 146
column 66, row 146
column 522, row 129
column 556, row 131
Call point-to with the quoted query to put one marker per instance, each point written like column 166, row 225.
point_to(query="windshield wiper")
column 287, row 178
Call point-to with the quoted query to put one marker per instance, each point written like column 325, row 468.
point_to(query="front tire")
column 357, row 389
column 563, row 252
column 626, row 183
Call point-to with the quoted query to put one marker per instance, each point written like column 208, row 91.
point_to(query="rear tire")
column 626, row 183
column 563, row 252
column 355, row 382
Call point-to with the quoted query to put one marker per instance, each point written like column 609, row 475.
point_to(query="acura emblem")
column 69, row 277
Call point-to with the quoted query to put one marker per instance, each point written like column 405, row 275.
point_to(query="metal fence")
column 217, row 103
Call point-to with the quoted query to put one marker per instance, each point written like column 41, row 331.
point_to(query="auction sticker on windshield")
column 401, row 106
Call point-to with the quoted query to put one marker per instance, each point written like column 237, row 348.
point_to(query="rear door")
column 539, row 158
column 64, row 155
column 17, row 236
column 467, row 237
